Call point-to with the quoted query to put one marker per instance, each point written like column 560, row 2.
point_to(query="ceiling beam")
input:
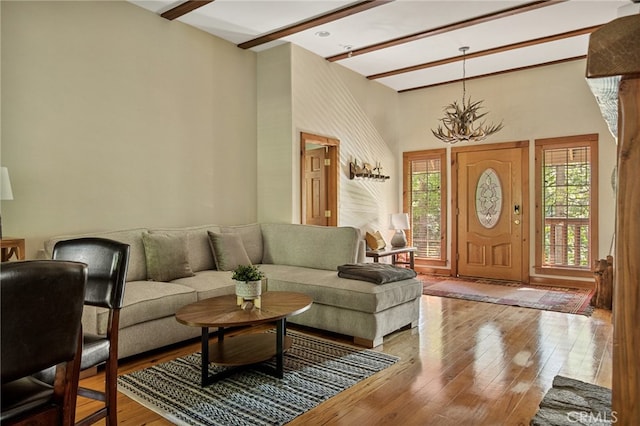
column 447, row 28
column 492, row 51
column 184, row 8
column 313, row 22
column 543, row 64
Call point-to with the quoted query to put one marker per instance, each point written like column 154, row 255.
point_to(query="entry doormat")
column 571, row 402
column 314, row 371
column 559, row 299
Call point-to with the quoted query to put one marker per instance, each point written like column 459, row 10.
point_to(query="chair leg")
column 109, row 396
column 111, row 391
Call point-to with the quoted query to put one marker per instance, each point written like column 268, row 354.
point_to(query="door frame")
column 526, row 211
column 333, row 153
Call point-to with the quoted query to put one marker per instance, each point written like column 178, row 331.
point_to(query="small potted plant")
column 246, row 273
column 248, row 280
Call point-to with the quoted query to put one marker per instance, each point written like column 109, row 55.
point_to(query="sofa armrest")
column 362, row 251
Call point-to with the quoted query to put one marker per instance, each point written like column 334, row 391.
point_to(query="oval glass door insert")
column 488, row 198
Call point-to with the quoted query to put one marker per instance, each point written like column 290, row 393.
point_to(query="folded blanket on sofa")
column 378, row 273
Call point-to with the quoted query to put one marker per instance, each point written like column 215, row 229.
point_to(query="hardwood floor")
column 466, row 363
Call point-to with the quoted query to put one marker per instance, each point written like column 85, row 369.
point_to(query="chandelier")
column 461, row 121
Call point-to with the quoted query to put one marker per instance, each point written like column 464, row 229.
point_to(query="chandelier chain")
column 464, row 73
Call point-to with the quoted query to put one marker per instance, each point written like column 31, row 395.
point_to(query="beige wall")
column 334, row 101
column 275, row 150
column 328, row 100
column 544, row 102
column 113, row 117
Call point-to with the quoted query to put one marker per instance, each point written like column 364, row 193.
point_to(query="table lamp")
column 5, row 189
column 399, row 222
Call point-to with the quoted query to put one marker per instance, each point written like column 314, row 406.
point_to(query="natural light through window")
column 425, row 190
column 566, row 211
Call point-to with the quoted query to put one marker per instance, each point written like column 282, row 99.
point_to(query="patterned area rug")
column 315, row 370
column 568, row 300
column 572, row 402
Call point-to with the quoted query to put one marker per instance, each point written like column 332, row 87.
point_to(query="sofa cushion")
column 251, row 239
column 318, row 247
column 228, row 251
column 137, row 269
column 209, row 283
column 146, row 301
column 198, row 249
column 325, row 287
column 166, row 256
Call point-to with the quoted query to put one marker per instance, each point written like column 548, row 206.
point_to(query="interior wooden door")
column 492, row 187
column 319, row 175
column 316, row 187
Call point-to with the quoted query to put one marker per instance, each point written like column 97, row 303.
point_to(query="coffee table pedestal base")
column 246, row 350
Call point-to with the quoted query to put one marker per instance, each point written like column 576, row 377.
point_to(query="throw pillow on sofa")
column 166, row 256
column 228, row 251
column 375, row 241
column 251, row 239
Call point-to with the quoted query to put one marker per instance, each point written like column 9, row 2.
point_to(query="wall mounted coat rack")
column 366, row 171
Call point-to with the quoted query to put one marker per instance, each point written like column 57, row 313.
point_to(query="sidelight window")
column 425, row 201
column 566, row 208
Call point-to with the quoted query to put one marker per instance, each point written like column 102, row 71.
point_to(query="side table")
column 394, row 252
column 10, row 247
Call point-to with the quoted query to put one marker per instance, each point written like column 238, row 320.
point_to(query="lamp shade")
column 399, row 221
column 5, row 185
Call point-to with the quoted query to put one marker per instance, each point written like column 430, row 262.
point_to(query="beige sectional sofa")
column 171, row 267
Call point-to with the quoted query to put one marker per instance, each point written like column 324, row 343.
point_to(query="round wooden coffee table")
column 246, row 349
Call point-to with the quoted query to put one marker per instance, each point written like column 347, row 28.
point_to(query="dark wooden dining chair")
column 41, row 313
column 107, row 261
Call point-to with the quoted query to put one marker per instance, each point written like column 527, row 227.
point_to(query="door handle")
column 516, row 209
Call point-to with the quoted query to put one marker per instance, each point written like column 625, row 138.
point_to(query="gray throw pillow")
column 228, row 251
column 251, row 239
column 166, row 256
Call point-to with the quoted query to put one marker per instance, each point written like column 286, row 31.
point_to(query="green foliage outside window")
column 426, row 208
column 567, row 198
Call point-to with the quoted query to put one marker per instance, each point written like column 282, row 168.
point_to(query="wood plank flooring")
column 467, row 363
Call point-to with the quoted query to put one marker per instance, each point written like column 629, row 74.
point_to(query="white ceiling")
column 239, row 21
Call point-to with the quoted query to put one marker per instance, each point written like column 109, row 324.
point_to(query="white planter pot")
column 249, row 289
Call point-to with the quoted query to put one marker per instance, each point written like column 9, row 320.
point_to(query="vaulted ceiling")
column 408, row 44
